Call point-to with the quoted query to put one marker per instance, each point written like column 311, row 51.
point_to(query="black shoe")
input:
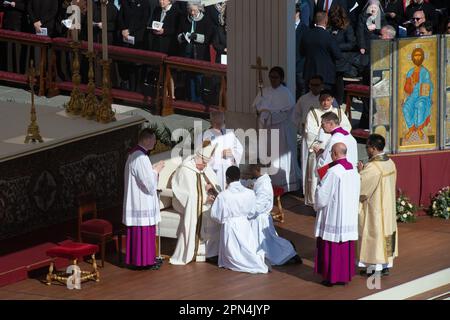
column 214, row 259
column 295, row 260
column 326, row 283
column 385, row 272
column 364, row 272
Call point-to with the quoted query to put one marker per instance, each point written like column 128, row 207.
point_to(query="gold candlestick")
column 104, row 112
column 33, row 134
column 90, row 106
column 76, row 101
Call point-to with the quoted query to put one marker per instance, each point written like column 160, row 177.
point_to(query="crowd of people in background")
column 333, row 36
column 188, row 29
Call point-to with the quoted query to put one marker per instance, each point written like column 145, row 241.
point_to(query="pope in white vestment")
column 277, row 249
column 276, row 108
column 314, row 135
column 238, row 249
column 198, row 235
column 229, row 150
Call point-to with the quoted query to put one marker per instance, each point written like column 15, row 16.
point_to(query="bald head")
column 338, row 151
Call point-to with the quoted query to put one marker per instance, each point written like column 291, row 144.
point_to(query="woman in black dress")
column 194, row 37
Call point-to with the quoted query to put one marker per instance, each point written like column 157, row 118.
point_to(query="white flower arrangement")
column 440, row 204
column 405, row 209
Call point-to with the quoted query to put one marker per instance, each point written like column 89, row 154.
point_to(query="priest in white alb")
column 336, row 230
column 229, row 150
column 238, row 249
column 194, row 186
column 141, row 204
column 330, row 125
column 307, row 101
column 314, row 136
column 276, row 108
column 277, row 249
column 378, row 234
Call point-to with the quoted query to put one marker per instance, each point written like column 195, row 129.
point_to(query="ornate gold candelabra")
column 90, row 106
column 76, row 102
column 104, row 112
column 33, row 134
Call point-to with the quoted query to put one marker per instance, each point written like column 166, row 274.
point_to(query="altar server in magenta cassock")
column 336, row 230
column 141, row 205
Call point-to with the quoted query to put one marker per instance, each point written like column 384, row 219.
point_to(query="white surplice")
column 223, row 139
column 350, row 143
column 238, row 249
column 314, row 134
column 277, row 249
column 189, row 188
column 277, row 112
column 141, row 204
column 337, row 205
column 302, row 107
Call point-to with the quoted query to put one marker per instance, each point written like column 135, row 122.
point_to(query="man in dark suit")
column 14, row 14
column 320, row 51
column 13, row 19
column 132, row 23
column 321, row 5
column 300, row 29
column 42, row 14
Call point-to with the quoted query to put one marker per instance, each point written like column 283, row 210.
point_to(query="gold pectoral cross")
column 259, row 68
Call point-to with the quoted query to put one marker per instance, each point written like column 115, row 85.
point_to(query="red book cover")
column 323, row 171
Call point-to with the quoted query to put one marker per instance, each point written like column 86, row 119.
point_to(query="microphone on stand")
column 408, row 22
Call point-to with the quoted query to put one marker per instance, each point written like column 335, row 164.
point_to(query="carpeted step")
column 14, row 267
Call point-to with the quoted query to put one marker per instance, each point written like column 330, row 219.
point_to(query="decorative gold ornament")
column 33, row 134
column 76, row 102
column 90, row 106
column 64, row 277
column 104, row 112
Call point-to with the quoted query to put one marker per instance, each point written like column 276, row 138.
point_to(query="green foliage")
column 440, row 204
column 405, row 209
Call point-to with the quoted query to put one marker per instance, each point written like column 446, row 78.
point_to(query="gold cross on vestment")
column 259, row 68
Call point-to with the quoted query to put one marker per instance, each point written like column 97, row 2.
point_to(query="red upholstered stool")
column 277, row 193
column 354, row 90
column 73, row 251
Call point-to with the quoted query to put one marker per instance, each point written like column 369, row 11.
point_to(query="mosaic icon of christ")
column 419, row 89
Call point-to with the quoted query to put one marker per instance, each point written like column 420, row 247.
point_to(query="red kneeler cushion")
column 98, row 226
column 361, row 88
column 72, row 250
column 360, row 133
column 278, row 191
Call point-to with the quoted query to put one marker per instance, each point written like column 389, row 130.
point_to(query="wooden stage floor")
column 423, row 248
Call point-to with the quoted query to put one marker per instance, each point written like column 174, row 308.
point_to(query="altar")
column 39, row 182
